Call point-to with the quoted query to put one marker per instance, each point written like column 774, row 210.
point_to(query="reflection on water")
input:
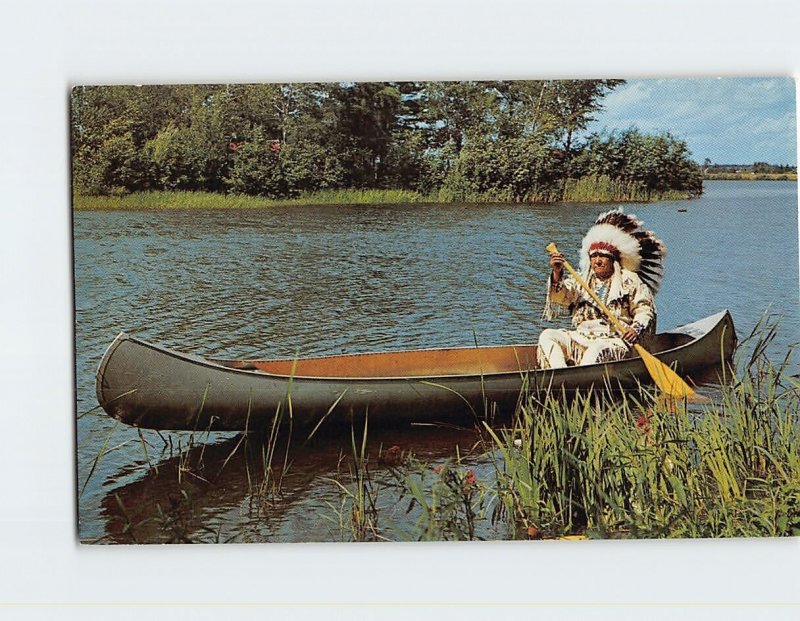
column 249, row 489
column 323, row 280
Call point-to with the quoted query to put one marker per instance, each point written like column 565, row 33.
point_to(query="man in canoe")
column 623, row 265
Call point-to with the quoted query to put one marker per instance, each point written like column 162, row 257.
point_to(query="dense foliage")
column 495, row 140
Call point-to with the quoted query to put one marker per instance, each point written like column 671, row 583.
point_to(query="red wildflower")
column 470, row 478
column 643, row 423
column 233, row 146
column 275, row 146
column 437, row 469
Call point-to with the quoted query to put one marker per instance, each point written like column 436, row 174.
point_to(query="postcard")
column 436, row 311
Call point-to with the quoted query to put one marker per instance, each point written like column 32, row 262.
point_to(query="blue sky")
column 727, row 120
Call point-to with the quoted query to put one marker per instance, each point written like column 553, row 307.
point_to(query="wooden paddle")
column 664, row 377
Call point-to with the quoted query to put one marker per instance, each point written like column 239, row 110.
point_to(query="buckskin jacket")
column 625, row 295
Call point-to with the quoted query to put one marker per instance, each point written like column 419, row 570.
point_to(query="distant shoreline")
column 750, row 177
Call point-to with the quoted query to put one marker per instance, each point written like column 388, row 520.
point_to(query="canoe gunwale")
column 101, row 368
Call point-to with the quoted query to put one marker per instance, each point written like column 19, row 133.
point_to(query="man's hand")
column 557, row 265
column 630, row 336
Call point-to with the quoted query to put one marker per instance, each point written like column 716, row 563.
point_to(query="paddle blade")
column 666, row 379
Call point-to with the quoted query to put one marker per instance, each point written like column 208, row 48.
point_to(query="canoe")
column 148, row 386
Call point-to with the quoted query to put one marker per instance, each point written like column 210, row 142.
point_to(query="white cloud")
column 631, row 94
column 732, row 120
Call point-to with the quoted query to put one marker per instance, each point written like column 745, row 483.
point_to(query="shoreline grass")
column 604, row 189
column 590, row 190
column 649, row 469
column 210, row 200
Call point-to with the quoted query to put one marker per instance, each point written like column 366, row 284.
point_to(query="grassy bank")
column 635, row 471
column 588, row 190
column 749, row 176
column 208, row 200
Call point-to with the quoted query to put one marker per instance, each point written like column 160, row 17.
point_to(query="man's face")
column 602, row 265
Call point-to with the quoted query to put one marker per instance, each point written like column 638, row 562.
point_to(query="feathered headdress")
column 620, row 236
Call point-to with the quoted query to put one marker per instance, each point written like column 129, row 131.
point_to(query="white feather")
column 627, row 245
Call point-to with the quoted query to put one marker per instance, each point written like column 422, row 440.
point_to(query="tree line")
column 486, row 140
column 756, row 167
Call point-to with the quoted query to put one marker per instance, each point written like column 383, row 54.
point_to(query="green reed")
column 273, row 473
column 604, row 189
column 357, row 514
column 210, row 200
column 359, row 197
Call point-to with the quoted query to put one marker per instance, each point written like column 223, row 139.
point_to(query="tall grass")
column 587, row 189
column 208, row 200
column 357, row 514
column 360, row 197
column 647, row 469
column 604, row 189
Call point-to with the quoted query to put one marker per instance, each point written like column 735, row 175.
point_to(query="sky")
column 727, row 120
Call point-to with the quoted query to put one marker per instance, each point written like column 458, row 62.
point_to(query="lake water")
column 293, row 281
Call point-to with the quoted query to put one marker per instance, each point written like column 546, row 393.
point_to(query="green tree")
column 195, row 155
column 657, row 163
column 456, row 112
column 368, row 118
column 266, row 167
column 573, row 104
column 517, row 169
column 110, row 127
column 503, row 140
column 525, row 109
column 257, row 168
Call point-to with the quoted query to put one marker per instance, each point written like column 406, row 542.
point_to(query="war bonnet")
column 622, row 237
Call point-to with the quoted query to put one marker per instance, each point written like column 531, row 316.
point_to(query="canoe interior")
column 421, row 363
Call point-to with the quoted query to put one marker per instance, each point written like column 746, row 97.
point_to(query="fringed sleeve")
column 643, row 308
column 560, row 296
